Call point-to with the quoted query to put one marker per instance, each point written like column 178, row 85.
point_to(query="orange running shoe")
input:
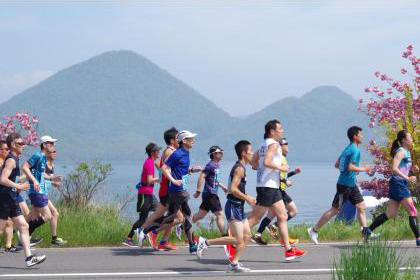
column 294, row 254
column 230, row 252
column 166, row 246
column 153, row 240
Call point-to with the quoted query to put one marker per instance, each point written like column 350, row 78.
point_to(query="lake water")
column 313, row 189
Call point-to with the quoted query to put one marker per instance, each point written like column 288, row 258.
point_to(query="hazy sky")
column 242, row 55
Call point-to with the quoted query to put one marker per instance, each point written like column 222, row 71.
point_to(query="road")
column 266, row 262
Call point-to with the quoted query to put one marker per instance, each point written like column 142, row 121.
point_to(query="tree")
column 22, row 123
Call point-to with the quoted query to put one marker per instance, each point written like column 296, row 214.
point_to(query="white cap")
column 185, row 134
column 47, row 138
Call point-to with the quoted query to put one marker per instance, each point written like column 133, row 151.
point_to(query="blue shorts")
column 398, row 189
column 38, row 200
column 234, row 211
column 19, row 199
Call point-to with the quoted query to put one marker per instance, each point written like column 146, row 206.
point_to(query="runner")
column 52, row 180
column 399, row 192
column 234, row 210
column 268, row 162
column 211, row 201
column 8, row 193
column 290, row 204
column 176, row 169
column 145, row 192
column 34, row 170
column 348, row 164
column 154, row 221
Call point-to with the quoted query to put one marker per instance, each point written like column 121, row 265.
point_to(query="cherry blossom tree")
column 22, row 123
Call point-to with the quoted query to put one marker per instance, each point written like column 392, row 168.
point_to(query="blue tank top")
column 9, row 195
column 241, row 186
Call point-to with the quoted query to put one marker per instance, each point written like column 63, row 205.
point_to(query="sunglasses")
column 20, row 143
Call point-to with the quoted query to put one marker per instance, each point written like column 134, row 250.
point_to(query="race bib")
column 185, row 181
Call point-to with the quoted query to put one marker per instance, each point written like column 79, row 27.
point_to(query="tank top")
column 48, row 184
column 283, row 174
column 405, row 164
column 164, row 182
column 241, row 186
column 267, row 177
column 8, row 195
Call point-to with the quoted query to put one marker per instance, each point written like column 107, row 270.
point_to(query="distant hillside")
column 111, row 105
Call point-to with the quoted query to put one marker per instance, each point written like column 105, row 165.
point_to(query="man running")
column 8, row 193
column 145, row 193
column 34, row 170
column 268, row 162
column 211, row 202
column 234, row 210
column 348, row 164
column 290, row 204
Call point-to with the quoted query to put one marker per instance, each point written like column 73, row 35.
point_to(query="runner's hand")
column 412, row 179
column 195, row 169
column 36, row 186
column 289, row 183
column 251, row 201
column 24, row 186
column 177, row 183
column 285, row 168
column 298, row 170
column 197, row 194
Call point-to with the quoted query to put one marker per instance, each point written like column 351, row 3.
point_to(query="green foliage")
column 372, row 261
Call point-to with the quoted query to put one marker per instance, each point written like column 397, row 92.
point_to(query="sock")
column 264, row 223
column 414, row 225
column 366, row 231
column 206, row 243
column 290, row 250
column 28, row 258
column 35, row 224
column 378, row 221
column 288, row 216
column 54, row 237
column 163, row 242
column 315, row 229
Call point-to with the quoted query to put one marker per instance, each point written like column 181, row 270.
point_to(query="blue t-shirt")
column 179, row 162
column 37, row 164
column 211, row 184
column 350, row 154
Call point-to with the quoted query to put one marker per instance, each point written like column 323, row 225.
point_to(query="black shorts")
column 9, row 210
column 164, row 200
column 146, row 203
column 268, row 196
column 345, row 193
column 211, row 202
column 286, row 198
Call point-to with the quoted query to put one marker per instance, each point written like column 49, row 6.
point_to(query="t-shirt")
column 9, row 195
column 211, row 183
column 37, row 164
column 148, row 169
column 350, row 154
column 179, row 162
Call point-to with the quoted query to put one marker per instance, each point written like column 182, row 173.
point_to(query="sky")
column 242, row 55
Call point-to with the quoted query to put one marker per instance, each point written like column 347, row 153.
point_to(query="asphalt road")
column 266, row 262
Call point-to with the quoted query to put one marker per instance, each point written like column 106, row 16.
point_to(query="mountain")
column 110, row 106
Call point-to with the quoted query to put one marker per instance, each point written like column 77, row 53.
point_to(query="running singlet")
column 163, row 190
column 350, row 154
column 241, row 186
column 8, row 195
column 179, row 162
column 267, row 177
column 405, row 164
column 37, row 164
column 212, row 171
column 48, row 183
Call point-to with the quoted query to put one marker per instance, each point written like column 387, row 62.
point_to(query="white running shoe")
column 140, row 237
column 201, row 246
column 313, row 235
column 35, row 260
column 238, row 268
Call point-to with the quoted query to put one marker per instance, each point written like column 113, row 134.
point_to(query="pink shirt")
column 148, row 169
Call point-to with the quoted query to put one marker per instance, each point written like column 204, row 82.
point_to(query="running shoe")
column 201, row 246
column 273, row 231
column 313, row 235
column 230, row 252
column 11, row 249
column 368, row 234
column 33, row 260
column 58, row 242
column 418, row 242
column 294, row 254
column 257, row 239
column 292, row 242
column 193, row 248
column 140, row 237
column 166, row 246
column 35, row 241
column 129, row 243
column 153, row 240
column 237, row 268
column 178, row 231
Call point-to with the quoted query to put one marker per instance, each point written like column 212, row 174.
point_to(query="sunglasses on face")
column 20, row 143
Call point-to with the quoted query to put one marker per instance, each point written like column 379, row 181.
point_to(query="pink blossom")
column 403, row 71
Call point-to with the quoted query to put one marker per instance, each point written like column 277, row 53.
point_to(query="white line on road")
column 163, row 273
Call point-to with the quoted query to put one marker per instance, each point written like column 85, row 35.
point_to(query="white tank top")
column 267, row 177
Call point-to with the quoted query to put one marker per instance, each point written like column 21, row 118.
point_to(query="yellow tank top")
column 283, row 174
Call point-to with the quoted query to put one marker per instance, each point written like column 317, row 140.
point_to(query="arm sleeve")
column 290, row 174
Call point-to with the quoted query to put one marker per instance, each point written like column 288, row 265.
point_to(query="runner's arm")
column 353, row 168
column 9, row 165
column 200, row 184
column 166, row 170
column 26, row 170
column 236, row 180
column 396, row 163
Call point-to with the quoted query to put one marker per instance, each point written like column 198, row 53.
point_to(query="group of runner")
column 36, row 176
column 172, row 211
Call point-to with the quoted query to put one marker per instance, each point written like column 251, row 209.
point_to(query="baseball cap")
column 215, row 149
column 185, row 134
column 47, row 138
